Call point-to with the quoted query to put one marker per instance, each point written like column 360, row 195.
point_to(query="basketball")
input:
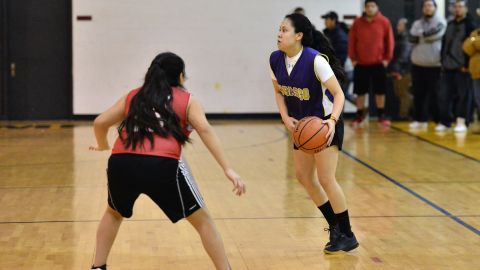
column 309, row 135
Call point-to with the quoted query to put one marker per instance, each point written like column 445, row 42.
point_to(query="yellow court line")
column 467, row 144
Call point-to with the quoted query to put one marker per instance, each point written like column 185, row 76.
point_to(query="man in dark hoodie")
column 336, row 32
column 456, row 79
column 337, row 36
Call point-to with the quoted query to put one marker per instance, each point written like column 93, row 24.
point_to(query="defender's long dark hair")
column 151, row 109
column 317, row 40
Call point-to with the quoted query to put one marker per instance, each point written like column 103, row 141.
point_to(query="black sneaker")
column 342, row 244
column 334, row 234
column 103, row 267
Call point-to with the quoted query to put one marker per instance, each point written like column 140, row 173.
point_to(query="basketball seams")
column 313, row 136
column 297, row 140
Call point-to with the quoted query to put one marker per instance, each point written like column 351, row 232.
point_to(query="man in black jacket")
column 337, row 35
column 456, row 84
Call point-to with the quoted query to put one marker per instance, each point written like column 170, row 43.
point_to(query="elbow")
column 99, row 122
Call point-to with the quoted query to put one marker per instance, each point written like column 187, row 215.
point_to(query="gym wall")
column 225, row 44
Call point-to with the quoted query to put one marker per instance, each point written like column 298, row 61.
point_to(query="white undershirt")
column 323, row 71
column 291, row 61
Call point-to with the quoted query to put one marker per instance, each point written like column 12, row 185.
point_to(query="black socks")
column 344, row 223
column 328, row 213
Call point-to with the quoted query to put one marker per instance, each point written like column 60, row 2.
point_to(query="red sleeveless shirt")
column 164, row 147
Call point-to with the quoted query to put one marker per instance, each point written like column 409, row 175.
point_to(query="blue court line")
column 418, row 196
column 415, row 194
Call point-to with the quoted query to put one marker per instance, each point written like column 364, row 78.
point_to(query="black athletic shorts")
column 165, row 180
column 369, row 77
column 337, row 137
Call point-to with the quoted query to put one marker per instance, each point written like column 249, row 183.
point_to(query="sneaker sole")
column 342, row 250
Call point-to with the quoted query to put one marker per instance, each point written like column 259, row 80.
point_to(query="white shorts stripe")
column 180, row 194
column 111, row 198
column 191, row 183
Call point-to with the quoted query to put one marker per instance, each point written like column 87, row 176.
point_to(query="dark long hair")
column 317, row 40
column 151, row 109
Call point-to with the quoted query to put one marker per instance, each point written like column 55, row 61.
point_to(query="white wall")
column 225, row 44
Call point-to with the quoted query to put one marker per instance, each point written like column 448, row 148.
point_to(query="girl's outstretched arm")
column 196, row 118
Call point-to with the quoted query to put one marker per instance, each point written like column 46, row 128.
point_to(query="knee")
column 304, row 178
column 200, row 219
column 114, row 214
column 309, row 183
column 327, row 181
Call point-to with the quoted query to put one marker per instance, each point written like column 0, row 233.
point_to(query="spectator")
column 337, row 36
column 426, row 34
column 400, row 69
column 299, row 10
column 471, row 46
column 456, row 80
column 370, row 47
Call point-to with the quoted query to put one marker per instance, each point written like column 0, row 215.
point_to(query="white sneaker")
column 418, row 125
column 440, row 128
column 460, row 129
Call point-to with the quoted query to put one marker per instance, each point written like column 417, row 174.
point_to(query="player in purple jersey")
column 304, row 73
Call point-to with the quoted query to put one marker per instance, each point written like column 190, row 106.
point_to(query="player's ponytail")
column 323, row 45
column 151, row 109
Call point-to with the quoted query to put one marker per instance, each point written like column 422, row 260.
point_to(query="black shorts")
column 337, row 138
column 370, row 77
column 165, row 180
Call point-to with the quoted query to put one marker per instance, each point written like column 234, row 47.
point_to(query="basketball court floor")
column 414, row 199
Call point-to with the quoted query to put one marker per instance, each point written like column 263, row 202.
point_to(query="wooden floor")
column 414, row 201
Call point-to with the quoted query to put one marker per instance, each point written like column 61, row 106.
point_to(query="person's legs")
column 211, row 239
column 463, row 90
column 402, row 87
column 361, row 84
column 444, row 98
column 326, row 163
column 304, row 170
column 360, row 103
column 432, row 80
column 476, row 93
column 106, row 233
column 419, row 97
column 379, row 81
column 476, row 96
column 121, row 198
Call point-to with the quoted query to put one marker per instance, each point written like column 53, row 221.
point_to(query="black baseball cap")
column 330, row 15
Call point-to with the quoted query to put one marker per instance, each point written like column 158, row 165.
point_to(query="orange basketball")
column 310, row 135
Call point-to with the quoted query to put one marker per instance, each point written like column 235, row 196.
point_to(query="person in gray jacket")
column 426, row 34
column 456, row 83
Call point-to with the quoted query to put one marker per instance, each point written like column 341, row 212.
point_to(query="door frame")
column 5, row 60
